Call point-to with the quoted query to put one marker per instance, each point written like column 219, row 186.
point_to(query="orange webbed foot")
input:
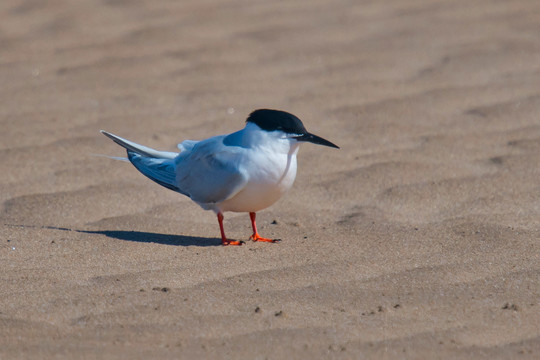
column 231, row 242
column 257, row 237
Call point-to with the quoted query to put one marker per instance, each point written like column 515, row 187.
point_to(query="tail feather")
column 158, row 166
column 139, row 149
column 112, row 157
column 162, row 171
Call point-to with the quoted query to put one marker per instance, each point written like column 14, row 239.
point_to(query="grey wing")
column 187, row 145
column 210, row 178
column 161, row 171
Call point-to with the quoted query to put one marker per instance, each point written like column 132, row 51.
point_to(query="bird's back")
column 225, row 174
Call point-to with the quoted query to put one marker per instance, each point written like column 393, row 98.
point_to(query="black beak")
column 315, row 140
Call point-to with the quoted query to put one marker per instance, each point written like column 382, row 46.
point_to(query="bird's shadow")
column 149, row 237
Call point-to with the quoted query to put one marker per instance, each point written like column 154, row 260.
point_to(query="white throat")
column 276, row 141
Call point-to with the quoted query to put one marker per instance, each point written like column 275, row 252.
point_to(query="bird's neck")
column 273, row 141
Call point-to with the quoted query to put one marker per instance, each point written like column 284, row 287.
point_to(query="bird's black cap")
column 271, row 120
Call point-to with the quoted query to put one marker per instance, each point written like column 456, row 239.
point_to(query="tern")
column 245, row 171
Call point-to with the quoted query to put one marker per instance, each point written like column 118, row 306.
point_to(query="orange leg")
column 256, row 236
column 224, row 240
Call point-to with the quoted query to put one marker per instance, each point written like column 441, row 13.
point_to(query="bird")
column 244, row 171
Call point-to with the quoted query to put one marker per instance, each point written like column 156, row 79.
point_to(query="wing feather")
column 210, row 173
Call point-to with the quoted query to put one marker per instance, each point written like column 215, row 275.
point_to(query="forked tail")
column 158, row 166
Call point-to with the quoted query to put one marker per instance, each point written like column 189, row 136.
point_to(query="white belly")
column 265, row 186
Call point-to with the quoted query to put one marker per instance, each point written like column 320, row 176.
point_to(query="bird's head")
column 289, row 125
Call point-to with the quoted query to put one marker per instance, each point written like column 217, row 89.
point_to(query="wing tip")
column 115, row 138
column 107, row 134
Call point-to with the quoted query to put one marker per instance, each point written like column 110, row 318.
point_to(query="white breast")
column 269, row 178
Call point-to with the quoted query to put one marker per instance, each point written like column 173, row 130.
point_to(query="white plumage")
column 245, row 171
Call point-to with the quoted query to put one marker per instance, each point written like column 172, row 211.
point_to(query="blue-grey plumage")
column 245, row 171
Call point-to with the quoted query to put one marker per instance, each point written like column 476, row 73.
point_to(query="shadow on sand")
column 141, row 236
column 148, row 237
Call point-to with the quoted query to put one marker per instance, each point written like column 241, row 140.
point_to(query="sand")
column 420, row 238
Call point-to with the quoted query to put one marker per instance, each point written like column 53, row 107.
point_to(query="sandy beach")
column 418, row 239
